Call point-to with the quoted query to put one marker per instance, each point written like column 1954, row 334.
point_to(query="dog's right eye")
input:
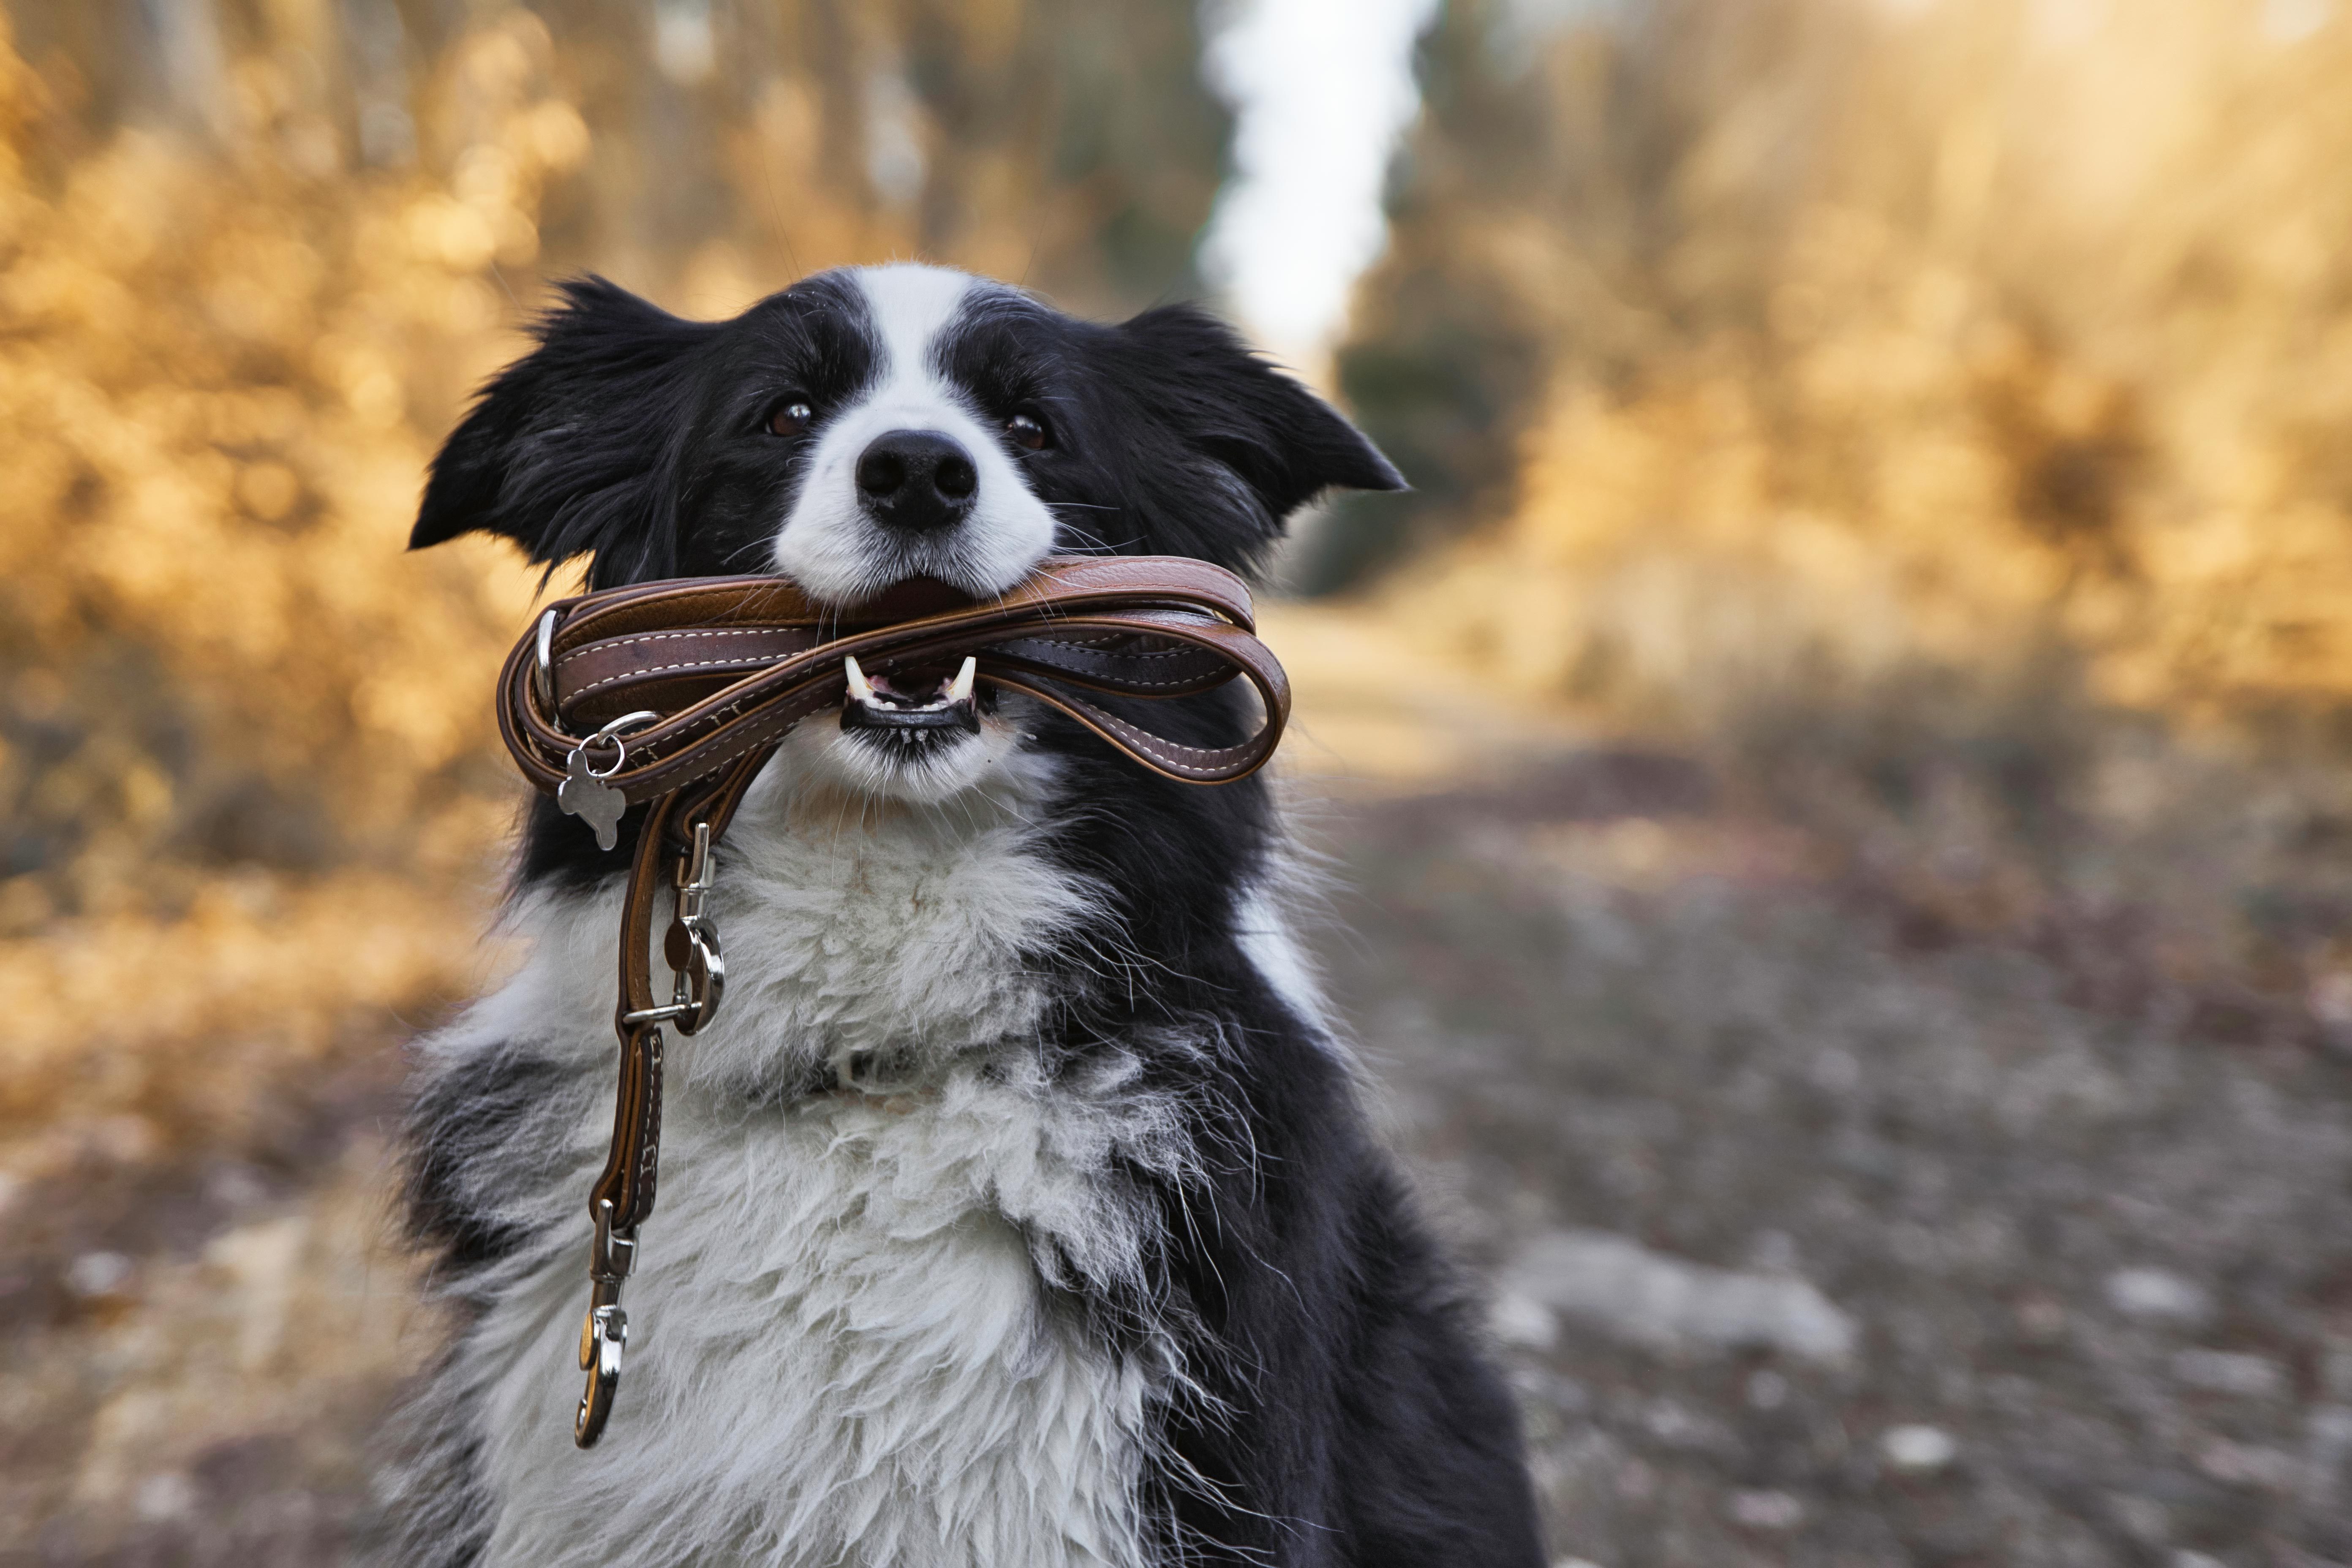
column 791, row 418
column 1028, row 432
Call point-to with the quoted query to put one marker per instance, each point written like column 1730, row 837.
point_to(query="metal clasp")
column 691, row 948
column 604, row 1331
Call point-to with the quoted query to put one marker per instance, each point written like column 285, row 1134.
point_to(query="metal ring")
column 612, row 733
column 544, row 678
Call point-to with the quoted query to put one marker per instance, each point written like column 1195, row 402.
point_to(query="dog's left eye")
column 1027, row 431
column 791, row 418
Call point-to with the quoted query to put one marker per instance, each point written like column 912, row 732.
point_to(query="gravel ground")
column 1922, row 1256
column 1821, row 1232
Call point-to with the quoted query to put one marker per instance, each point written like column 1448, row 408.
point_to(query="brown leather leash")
column 678, row 692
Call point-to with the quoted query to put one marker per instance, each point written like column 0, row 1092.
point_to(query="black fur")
column 1344, row 1415
column 1172, row 438
column 633, row 438
column 1360, row 1426
column 462, row 1132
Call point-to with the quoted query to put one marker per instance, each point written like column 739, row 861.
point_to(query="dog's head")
column 874, row 424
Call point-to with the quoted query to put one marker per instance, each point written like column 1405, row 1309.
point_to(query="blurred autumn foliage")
column 1957, row 373
column 253, row 256
column 1952, row 372
column 1935, row 416
column 1774, row 341
column 1930, row 414
column 234, row 715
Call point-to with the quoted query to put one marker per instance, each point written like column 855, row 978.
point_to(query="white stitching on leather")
column 665, row 669
column 602, row 643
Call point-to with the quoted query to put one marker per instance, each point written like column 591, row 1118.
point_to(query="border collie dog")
column 1021, row 1207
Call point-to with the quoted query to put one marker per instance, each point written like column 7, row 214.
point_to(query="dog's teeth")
column 859, row 686
column 960, row 689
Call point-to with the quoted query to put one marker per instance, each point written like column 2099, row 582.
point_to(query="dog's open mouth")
column 916, row 709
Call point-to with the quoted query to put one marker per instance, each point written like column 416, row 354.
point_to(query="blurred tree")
column 1066, row 144
column 254, row 254
column 1541, row 216
column 1741, row 338
column 1442, row 357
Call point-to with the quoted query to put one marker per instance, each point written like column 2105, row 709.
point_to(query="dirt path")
column 1917, row 1258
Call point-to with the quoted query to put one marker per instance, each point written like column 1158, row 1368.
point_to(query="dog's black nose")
column 916, row 480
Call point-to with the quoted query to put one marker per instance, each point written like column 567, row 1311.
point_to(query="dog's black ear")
column 1286, row 444
column 571, row 449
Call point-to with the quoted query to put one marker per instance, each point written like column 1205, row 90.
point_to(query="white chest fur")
column 841, row 1350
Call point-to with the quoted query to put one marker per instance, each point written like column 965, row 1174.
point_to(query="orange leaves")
column 1986, row 336
column 220, row 388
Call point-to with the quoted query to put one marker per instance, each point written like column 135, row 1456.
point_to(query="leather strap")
column 730, row 664
column 633, row 1163
column 631, row 1169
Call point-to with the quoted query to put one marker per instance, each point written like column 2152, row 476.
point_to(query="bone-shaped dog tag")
column 590, row 799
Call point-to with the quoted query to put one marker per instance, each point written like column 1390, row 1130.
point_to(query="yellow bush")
column 1877, row 332
column 249, row 771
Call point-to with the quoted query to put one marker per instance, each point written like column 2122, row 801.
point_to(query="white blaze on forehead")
column 827, row 542
column 913, row 305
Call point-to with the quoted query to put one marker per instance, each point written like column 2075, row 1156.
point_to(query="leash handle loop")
column 730, row 664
